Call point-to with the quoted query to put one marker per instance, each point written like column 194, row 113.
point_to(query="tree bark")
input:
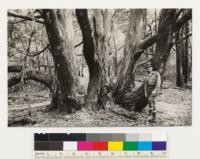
column 182, row 57
column 164, row 41
column 186, row 71
column 132, row 52
column 179, row 66
column 95, row 49
column 58, row 24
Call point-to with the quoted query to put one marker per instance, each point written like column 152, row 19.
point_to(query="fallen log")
column 23, row 113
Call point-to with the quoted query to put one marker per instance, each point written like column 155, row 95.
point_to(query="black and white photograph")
column 99, row 67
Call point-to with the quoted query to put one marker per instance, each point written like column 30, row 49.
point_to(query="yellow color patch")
column 115, row 146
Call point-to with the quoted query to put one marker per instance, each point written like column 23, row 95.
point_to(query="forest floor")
column 174, row 108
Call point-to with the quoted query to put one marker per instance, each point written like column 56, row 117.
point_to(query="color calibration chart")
column 100, row 146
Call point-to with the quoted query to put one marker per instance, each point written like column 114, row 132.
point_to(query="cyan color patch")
column 144, row 146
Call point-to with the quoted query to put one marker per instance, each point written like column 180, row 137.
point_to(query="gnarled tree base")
column 135, row 99
column 70, row 105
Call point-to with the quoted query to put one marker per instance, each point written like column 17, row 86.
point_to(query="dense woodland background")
column 84, row 67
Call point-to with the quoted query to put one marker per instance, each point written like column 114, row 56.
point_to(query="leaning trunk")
column 132, row 52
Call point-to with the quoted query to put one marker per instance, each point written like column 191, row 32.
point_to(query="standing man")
column 152, row 86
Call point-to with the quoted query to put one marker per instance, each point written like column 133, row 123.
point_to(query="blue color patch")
column 144, row 146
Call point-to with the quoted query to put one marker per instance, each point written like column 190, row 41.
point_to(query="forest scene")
column 99, row 67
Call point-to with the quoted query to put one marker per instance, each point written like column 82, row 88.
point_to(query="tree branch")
column 183, row 38
column 144, row 62
column 178, row 13
column 43, row 50
column 144, row 44
column 77, row 45
column 184, row 19
column 35, row 75
column 119, row 48
column 20, row 21
column 15, row 68
column 12, row 14
column 29, row 46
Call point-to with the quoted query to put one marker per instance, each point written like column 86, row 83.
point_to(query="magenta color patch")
column 85, row 146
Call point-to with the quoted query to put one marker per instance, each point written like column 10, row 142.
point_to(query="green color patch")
column 130, row 146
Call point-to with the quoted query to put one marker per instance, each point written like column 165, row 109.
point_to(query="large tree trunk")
column 95, row 50
column 182, row 57
column 164, row 41
column 58, row 25
column 111, row 55
column 179, row 66
column 186, row 68
column 132, row 52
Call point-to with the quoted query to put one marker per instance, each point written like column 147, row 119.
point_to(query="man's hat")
column 147, row 65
